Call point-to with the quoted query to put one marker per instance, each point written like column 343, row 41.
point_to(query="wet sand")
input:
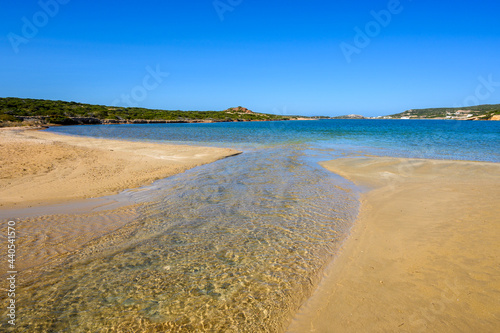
column 424, row 255
column 46, row 240
column 39, row 168
column 54, row 173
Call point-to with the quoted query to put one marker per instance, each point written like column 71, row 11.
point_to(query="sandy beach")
column 423, row 255
column 41, row 168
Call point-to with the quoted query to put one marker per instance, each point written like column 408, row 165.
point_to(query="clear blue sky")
column 269, row 56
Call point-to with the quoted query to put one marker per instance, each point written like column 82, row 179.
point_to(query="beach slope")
column 39, row 167
column 424, row 255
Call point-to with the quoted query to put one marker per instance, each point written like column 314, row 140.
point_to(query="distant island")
column 350, row 116
column 39, row 112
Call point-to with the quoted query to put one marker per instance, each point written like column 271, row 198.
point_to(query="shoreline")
column 108, row 122
column 41, row 168
column 69, row 190
column 27, row 125
column 422, row 256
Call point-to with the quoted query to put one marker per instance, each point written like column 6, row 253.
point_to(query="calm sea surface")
column 236, row 245
column 464, row 140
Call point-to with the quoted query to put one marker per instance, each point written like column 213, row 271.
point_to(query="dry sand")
column 43, row 168
column 424, row 255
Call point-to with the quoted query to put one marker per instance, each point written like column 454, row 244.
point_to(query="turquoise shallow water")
column 236, row 245
column 442, row 139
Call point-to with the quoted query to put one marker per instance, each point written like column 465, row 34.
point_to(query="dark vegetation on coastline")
column 23, row 111
column 39, row 112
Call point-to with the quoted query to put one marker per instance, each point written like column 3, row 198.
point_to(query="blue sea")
column 440, row 139
column 236, row 245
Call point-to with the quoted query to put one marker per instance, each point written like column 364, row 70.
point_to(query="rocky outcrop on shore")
column 239, row 109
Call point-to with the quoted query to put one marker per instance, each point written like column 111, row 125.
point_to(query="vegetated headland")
column 39, row 112
column 478, row 112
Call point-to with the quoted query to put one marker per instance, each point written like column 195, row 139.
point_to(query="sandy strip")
column 424, row 255
column 44, row 168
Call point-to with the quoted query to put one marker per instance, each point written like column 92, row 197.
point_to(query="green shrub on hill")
column 8, row 117
column 60, row 112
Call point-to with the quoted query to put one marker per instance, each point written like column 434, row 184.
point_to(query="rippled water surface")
column 232, row 246
column 236, row 245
